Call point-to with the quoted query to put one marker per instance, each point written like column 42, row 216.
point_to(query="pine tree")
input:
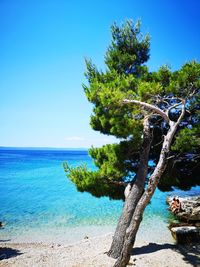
column 155, row 115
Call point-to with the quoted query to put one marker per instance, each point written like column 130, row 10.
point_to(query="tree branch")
column 182, row 113
column 149, row 107
column 131, row 231
column 174, row 106
column 172, row 98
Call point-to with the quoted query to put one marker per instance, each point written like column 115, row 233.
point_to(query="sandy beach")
column 92, row 252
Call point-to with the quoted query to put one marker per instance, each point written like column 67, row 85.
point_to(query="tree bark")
column 131, row 232
column 134, row 195
column 150, row 107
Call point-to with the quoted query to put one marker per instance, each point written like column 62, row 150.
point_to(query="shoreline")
column 64, row 236
column 86, row 246
column 92, row 252
column 156, row 231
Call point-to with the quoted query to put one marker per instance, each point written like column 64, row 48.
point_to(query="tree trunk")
column 134, row 195
column 146, row 197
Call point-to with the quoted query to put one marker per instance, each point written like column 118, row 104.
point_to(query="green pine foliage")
column 129, row 49
column 188, row 140
column 127, row 77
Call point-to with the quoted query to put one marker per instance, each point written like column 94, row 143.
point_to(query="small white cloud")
column 74, row 138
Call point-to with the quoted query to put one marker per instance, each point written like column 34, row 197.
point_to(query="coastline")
column 46, row 220
column 154, row 247
column 153, row 228
column 92, row 252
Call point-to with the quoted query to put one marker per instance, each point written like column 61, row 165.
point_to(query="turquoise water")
column 38, row 201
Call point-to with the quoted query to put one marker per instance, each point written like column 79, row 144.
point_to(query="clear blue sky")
column 42, row 50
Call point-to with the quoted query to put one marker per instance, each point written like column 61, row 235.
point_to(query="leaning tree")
column 155, row 116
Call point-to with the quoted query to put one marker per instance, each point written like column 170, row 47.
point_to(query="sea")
column 40, row 204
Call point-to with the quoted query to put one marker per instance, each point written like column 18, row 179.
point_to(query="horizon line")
column 44, row 147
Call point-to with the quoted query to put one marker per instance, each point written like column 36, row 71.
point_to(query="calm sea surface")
column 39, row 203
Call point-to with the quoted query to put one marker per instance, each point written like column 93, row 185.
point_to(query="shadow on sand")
column 6, row 253
column 190, row 253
